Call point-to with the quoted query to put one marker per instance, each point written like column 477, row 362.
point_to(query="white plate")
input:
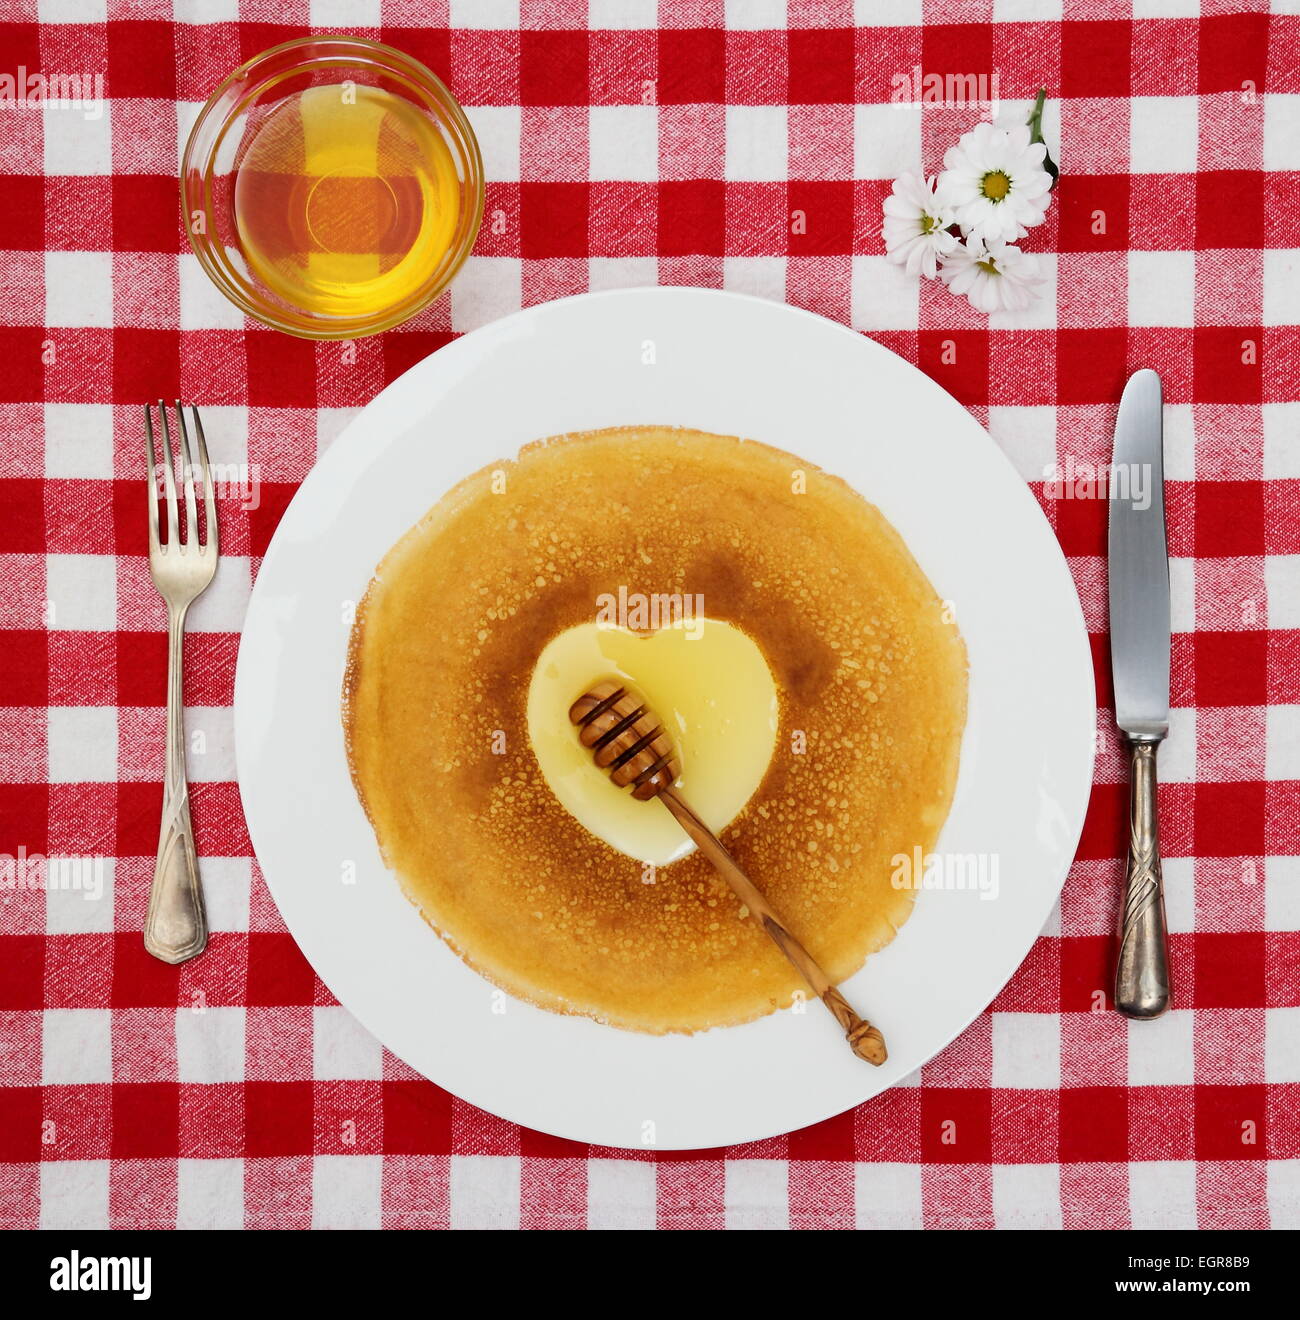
column 738, row 366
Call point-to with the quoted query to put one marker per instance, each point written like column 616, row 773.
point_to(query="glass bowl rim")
column 436, row 99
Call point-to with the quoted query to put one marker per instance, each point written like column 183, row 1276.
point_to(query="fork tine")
column 153, row 477
column 187, row 475
column 169, row 481
column 209, row 499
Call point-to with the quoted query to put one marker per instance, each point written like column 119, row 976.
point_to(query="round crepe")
column 870, row 672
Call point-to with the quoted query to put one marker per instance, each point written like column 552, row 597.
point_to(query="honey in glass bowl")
column 332, row 187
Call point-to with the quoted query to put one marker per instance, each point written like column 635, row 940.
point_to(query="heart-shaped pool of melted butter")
column 711, row 689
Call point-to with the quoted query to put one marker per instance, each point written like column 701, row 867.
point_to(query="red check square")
column 142, row 59
column 553, row 68
column 692, row 66
column 1231, row 668
column 1229, row 820
column 956, row 1124
column 821, row 66
column 278, row 1119
column 1229, row 519
column 1096, row 58
column 417, row 1118
column 1231, row 1122
column 149, row 1127
column 1094, row 1124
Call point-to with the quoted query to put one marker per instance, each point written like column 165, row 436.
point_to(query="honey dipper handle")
column 864, row 1039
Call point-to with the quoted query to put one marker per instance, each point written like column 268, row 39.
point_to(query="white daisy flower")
column 995, row 277
column 916, row 226
column 995, row 182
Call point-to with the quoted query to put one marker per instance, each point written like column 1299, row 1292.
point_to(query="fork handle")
column 175, row 926
column 1142, row 969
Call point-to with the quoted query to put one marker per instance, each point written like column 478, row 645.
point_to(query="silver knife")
column 1139, row 656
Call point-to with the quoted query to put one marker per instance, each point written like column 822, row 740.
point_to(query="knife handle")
column 1142, row 973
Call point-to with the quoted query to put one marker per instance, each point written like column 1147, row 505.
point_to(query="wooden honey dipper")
column 626, row 739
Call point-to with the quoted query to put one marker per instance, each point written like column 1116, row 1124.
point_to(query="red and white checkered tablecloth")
column 629, row 142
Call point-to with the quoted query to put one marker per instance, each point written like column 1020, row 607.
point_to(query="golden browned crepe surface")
column 870, row 673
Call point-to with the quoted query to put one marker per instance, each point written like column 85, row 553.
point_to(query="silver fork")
column 175, row 926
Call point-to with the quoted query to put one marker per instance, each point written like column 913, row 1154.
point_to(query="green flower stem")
column 1035, row 122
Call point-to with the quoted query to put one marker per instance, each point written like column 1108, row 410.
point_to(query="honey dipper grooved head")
column 621, row 731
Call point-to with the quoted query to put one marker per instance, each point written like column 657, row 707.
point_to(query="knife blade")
column 1138, row 561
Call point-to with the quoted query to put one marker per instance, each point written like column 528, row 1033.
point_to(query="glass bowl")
column 219, row 148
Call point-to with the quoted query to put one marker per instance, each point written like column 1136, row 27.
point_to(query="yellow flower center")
column 996, row 185
column 989, row 266
column 928, row 224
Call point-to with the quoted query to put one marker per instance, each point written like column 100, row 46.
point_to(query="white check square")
column 342, row 1049
column 1031, row 11
column 755, row 15
column 1178, row 751
column 346, row 13
column 209, row 1193
column 484, row 1191
column 1027, row 1050
column 77, row 1046
column 74, row 1194
column 1282, row 1045
column 762, row 277
column 227, row 889
column 76, row 143
column 756, row 1194
column 886, row 140
column 82, row 744
column 1160, row 1052
column 210, row 744
column 493, row 15
column 203, row 305
column 621, row 1194
column 79, row 289
column 1282, row 893
column 1163, row 135
column 757, row 144
column 82, row 591
column 883, row 296
column 345, row 1191
column 497, row 128
column 72, row 11
column 1027, row 1195
column 1166, row 8
column 85, row 907
column 1027, row 436
column 1182, row 594
column 1162, row 1193
column 210, row 1045
column 1282, row 584
column 622, row 15
column 888, row 1195
column 1041, row 312
column 1180, row 442
column 624, row 142
column 79, row 441
column 887, row 13
column 1282, row 131
column 1162, row 288
column 1281, row 441
column 223, row 605
column 485, row 289
column 622, row 273
column 1283, row 750
column 1281, row 286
